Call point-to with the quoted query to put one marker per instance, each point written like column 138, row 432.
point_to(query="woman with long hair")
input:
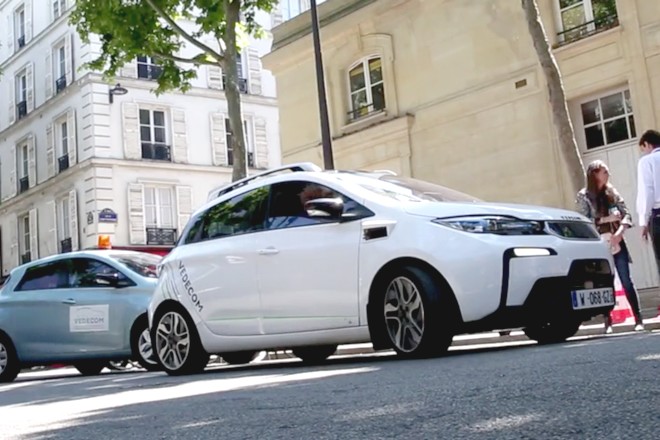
column 602, row 203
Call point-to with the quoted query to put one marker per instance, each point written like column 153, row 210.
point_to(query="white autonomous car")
column 303, row 259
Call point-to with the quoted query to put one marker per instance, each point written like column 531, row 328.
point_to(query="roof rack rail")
column 294, row 167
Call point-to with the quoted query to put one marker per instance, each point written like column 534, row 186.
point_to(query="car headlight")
column 492, row 225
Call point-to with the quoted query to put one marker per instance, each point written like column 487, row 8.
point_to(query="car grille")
column 574, row 230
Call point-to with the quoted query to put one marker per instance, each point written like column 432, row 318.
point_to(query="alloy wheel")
column 404, row 314
column 4, row 357
column 145, row 348
column 173, row 340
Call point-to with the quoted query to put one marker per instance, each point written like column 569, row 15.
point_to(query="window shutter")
column 29, row 73
column 71, row 133
column 254, row 66
column 51, row 227
column 32, row 162
column 10, row 37
column 73, row 219
column 68, row 59
column 131, row 128
column 49, row 75
column 214, row 77
column 28, row 21
column 13, row 259
column 179, row 137
column 12, row 174
column 129, row 70
column 137, row 227
column 34, row 235
column 184, row 204
column 218, row 139
column 12, row 99
column 261, row 142
column 50, row 151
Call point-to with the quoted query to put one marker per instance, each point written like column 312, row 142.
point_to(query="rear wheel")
column 9, row 363
column 552, row 332
column 90, row 368
column 316, row 354
column 177, row 345
column 239, row 357
column 416, row 313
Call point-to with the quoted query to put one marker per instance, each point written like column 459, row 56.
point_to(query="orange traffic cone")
column 622, row 312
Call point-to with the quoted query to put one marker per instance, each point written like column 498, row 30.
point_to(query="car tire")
column 141, row 346
column 315, row 354
column 553, row 332
column 10, row 365
column 416, row 312
column 90, row 368
column 172, row 325
column 239, row 357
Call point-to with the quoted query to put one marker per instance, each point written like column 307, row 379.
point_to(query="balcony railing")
column 60, row 84
column 21, row 41
column 148, row 71
column 21, row 109
column 65, row 245
column 23, row 184
column 63, row 163
column 156, row 151
column 26, row 257
column 363, row 111
column 587, row 29
column 161, row 236
column 242, row 84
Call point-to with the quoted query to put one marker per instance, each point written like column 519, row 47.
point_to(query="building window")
column 153, row 135
column 59, row 7
column 59, row 66
column 24, row 238
column 147, row 68
column 249, row 143
column 367, row 88
column 21, row 94
column 19, row 27
column 581, row 18
column 608, row 120
column 23, row 168
column 159, row 215
column 293, row 8
column 242, row 81
column 63, row 224
column 62, row 143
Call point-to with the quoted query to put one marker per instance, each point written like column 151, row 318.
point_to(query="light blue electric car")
column 83, row 308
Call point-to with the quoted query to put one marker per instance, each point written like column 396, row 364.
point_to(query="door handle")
column 268, row 251
column 69, row 301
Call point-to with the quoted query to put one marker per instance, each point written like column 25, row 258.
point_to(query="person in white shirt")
column 648, row 189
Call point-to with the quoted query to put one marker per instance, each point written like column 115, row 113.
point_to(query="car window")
column 239, row 215
column 145, row 265
column 84, row 273
column 44, row 276
column 287, row 205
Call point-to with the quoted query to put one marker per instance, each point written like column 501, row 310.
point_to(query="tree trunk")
column 239, row 171
column 562, row 121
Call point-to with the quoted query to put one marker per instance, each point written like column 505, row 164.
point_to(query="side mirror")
column 109, row 279
column 331, row 209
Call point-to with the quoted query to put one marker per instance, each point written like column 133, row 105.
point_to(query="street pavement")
column 605, row 387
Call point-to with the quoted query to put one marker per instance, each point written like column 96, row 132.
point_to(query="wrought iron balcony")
column 63, row 163
column 250, row 159
column 148, row 71
column 363, row 111
column 21, row 41
column 65, row 245
column 587, row 29
column 21, row 109
column 60, row 84
column 242, row 84
column 161, row 236
column 23, row 184
column 156, row 151
column 26, row 257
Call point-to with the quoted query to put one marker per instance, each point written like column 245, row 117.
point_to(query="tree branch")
column 184, row 60
column 179, row 30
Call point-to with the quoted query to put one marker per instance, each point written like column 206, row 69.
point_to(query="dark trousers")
column 654, row 230
column 622, row 263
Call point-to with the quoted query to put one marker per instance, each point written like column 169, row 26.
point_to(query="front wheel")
column 177, row 345
column 9, row 363
column 417, row 313
column 316, row 354
column 552, row 332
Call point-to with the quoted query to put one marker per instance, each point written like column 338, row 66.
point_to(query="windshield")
column 406, row 189
column 143, row 264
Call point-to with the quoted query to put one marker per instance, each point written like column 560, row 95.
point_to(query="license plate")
column 591, row 298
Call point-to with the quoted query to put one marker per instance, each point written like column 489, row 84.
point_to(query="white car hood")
column 523, row 212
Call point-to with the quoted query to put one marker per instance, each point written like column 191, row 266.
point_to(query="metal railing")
column 21, row 41
column 587, row 29
column 242, row 84
column 149, row 71
column 60, row 84
column 65, row 245
column 26, row 257
column 21, row 109
column 63, row 163
column 156, row 151
column 161, row 236
column 363, row 111
column 23, row 184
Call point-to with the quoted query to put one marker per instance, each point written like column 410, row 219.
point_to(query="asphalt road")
column 601, row 388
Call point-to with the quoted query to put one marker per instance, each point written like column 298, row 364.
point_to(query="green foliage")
column 160, row 29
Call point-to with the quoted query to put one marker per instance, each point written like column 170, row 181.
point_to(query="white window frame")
column 20, row 24
column 248, row 138
column 62, row 136
column 158, row 207
column 588, row 15
column 368, row 86
column 24, row 160
column 152, row 127
column 63, row 218
column 151, row 65
column 59, row 57
column 58, row 8
column 24, row 234
column 21, row 86
column 627, row 114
